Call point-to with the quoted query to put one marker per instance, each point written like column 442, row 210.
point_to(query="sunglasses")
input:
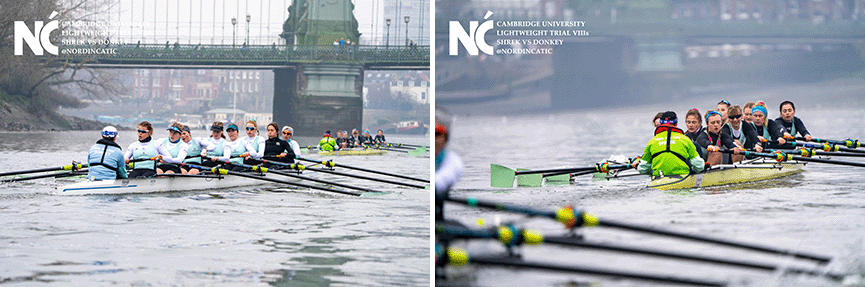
column 142, row 131
column 250, row 128
column 286, row 133
column 734, row 117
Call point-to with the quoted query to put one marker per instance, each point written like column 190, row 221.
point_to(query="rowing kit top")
column 379, row 139
column 177, row 151
column 234, row 149
column 215, row 148
column 670, row 152
column 255, row 146
column 327, row 144
column 276, row 146
column 195, row 146
column 706, row 138
column 449, row 168
column 294, row 146
column 746, row 134
column 146, row 148
column 772, row 133
column 792, row 127
column 106, row 161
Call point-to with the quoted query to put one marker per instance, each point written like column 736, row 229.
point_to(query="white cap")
column 109, row 132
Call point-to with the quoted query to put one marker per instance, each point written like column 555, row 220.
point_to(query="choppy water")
column 242, row 237
column 821, row 210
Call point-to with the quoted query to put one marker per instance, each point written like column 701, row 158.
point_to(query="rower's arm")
column 800, row 127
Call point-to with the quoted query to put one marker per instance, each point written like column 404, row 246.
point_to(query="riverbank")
column 15, row 116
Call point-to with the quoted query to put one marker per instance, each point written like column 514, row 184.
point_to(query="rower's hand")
column 282, row 155
column 737, row 142
column 204, row 153
column 127, row 160
column 712, row 148
column 808, row 137
column 158, row 157
column 245, row 155
column 736, row 150
column 761, row 139
column 758, row 148
column 781, row 141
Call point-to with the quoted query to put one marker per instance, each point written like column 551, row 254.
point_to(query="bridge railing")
column 253, row 54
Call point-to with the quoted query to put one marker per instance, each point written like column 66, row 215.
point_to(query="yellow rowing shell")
column 727, row 174
column 353, row 152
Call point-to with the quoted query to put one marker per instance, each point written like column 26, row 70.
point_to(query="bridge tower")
column 315, row 97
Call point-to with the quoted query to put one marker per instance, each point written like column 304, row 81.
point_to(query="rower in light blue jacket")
column 106, row 158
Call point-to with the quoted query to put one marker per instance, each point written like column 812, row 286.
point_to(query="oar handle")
column 851, row 143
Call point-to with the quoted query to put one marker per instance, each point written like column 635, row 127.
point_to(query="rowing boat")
column 749, row 171
column 353, row 152
column 165, row 183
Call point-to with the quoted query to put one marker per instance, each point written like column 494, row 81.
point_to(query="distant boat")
column 404, row 128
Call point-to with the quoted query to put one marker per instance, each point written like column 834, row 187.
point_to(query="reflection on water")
column 245, row 237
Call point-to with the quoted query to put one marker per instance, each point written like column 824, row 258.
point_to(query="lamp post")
column 233, row 30
column 406, row 30
column 247, row 28
column 387, row 42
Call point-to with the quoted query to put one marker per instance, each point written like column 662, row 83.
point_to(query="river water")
column 821, row 210
column 241, row 237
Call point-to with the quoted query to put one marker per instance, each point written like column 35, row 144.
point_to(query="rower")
column 449, row 166
column 277, row 147
column 670, row 152
column 340, row 141
column 744, row 134
column 144, row 148
column 253, row 144
column 657, row 120
column 215, row 146
column 723, row 107
column 287, row 132
column 767, row 130
column 105, row 158
column 791, row 123
column 235, row 148
column 746, row 111
column 194, row 150
column 327, row 143
column 353, row 140
column 694, row 123
column 176, row 148
column 713, row 139
column 379, row 138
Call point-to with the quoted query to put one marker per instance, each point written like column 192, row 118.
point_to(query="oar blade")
column 501, row 176
column 414, row 153
column 304, row 150
column 529, row 180
column 421, row 149
column 562, row 179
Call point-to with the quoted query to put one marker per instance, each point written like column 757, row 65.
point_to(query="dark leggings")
column 141, row 173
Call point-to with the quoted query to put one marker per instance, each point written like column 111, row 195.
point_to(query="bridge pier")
column 314, row 98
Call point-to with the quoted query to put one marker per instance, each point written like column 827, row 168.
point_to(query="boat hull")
column 730, row 174
column 353, row 152
column 159, row 184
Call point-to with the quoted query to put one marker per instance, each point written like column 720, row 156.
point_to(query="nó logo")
column 473, row 39
column 22, row 32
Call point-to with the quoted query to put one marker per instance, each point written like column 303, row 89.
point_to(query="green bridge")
column 249, row 57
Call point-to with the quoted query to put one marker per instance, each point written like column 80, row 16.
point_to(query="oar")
column 807, row 152
column 216, row 170
column 782, row 156
column 409, row 145
column 301, row 167
column 56, row 174
column 330, row 163
column 458, row 257
column 572, row 218
column 267, row 170
column 509, row 235
column 827, row 147
column 851, row 143
column 307, row 148
column 73, row 166
column 501, row 176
